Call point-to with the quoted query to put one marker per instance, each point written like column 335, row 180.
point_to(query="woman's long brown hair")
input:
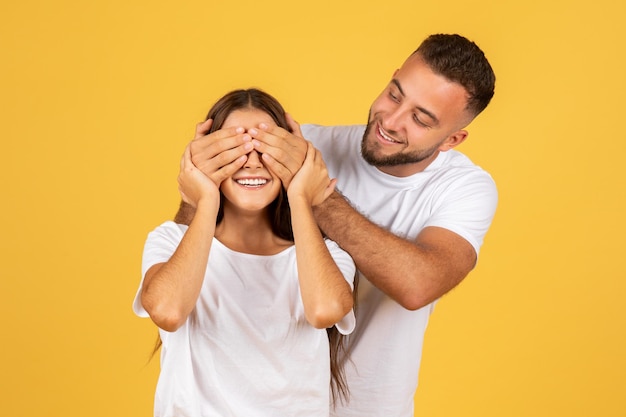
column 279, row 213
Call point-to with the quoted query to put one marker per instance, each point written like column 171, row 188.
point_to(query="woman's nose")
column 254, row 160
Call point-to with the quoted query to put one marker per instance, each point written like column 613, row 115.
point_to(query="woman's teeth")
column 255, row 182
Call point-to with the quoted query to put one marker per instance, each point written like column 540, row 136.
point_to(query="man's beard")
column 399, row 158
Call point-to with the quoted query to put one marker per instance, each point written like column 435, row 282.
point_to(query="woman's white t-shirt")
column 246, row 349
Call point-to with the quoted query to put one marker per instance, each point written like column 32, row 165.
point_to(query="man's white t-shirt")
column 451, row 193
column 246, row 349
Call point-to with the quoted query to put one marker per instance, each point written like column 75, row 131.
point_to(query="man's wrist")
column 185, row 213
column 326, row 208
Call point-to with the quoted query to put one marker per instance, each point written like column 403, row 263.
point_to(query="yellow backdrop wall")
column 99, row 99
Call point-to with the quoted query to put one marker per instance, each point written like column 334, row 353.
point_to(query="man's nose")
column 393, row 120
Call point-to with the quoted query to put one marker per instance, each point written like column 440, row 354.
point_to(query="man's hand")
column 219, row 154
column 282, row 152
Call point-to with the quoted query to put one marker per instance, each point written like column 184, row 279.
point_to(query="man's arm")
column 413, row 273
column 185, row 213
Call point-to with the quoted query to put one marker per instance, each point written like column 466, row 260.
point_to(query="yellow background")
column 100, row 98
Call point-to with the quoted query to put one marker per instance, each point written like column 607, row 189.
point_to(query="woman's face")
column 253, row 187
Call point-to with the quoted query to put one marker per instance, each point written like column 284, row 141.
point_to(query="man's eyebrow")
column 397, row 83
column 421, row 109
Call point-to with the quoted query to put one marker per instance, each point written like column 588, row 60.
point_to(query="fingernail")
column 240, row 130
column 263, row 126
column 253, row 131
column 256, row 143
column 248, row 146
column 246, row 138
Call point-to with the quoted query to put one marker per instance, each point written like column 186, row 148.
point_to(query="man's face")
column 416, row 116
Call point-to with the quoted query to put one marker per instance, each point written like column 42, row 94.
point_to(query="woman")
column 244, row 295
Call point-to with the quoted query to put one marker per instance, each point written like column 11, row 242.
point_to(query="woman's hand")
column 311, row 183
column 194, row 186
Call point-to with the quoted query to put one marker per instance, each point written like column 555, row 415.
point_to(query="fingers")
column 228, row 170
column 282, row 151
column 278, row 169
column 182, row 158
column 314, row 158
column 312, row 182
column 203, row 128
column 330, row 189
column 193, row 185
column 185, row 160
column 327, row 185
column 220, row 148
column 218, row 141
column 293, row 125
column 311, row 152
column 186, row 166
column 273, row 137
column 222, row 159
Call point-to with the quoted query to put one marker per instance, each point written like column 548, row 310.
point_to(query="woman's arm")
column 170, row 290
column 326, row 295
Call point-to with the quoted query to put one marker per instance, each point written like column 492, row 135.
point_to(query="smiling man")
column 435, row 112
column 411, row 211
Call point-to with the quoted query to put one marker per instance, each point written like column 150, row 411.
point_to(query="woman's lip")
column 251, row 181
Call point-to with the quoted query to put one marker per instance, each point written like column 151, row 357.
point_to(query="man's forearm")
column 414, row 273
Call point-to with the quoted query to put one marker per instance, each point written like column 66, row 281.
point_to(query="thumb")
column 203, row 128
column 293, row 125
column 330, row 189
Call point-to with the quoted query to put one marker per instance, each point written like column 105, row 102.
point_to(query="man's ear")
column 454, row 140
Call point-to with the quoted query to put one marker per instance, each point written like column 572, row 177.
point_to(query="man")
column 411, row 211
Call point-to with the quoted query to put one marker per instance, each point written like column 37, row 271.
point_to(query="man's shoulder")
column 457, row 171
column 316, row 132
column 338, row 144
column 456, row 161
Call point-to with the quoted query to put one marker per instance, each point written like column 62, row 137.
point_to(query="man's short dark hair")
column 462, row 61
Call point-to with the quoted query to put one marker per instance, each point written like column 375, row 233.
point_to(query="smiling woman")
column 242, row 312
column 254, row 187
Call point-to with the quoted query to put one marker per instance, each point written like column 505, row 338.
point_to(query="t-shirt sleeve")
column 467, row 207
column 158, row 248
column 309, row 132
column 348, row 269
